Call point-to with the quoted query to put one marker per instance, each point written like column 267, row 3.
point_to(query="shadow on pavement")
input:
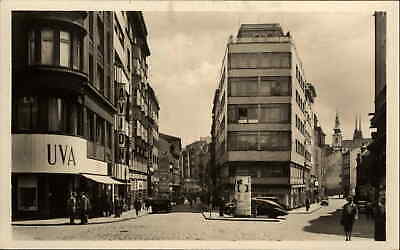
column 330, row 224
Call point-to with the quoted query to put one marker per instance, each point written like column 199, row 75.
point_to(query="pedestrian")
column 84, row 207
column 307, row 204
column 349, row 215
column 117, row 207
column 137, row 205
column 71, row 207
column 380, row 220
column 221, row 206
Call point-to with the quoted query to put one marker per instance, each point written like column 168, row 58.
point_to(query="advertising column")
column 242, row 195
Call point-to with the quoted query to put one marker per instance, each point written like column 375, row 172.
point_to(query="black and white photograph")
column 182, row 124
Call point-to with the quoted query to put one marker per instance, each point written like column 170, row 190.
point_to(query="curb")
column 65, row 223
column 305, row 212
column 241, row 219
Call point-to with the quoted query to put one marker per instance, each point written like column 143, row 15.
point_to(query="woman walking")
column 349, row 215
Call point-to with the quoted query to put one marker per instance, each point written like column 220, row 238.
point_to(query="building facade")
column 71, row 111
column 168, row 173
column 262, row 116
column 196, row 167
column 319, row 160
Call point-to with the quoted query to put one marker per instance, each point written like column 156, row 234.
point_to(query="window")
column 243, row 86
column 91, row 24
column 27, row 113
column 100, row 131
column 129, row 59
column 31, row 50
column 100, row 79
column 65, row 48
column 79, row 114
column 243, row 141
column 270, row 113
column 100, row 35
column 77, row 53
column 57, row 114
column 274, row 140
column 91, row 73
column 47, row 46
column 90, row 124
column 259, row 60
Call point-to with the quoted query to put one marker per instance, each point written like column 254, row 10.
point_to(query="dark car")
column 363, row 207
column 229, row 208
column 324, row 202
column 268, row 207
column 160, row 205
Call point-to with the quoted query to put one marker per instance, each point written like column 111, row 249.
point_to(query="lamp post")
column 149, row 181
column 171, row 172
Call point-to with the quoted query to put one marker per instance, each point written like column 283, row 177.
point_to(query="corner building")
column 262, row 116
column 72, row 74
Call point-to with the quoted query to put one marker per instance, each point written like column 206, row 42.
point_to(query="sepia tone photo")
column 225, row 125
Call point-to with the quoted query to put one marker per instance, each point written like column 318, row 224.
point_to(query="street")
column 321, row 225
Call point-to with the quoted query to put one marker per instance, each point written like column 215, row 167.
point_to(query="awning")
column 102, row 179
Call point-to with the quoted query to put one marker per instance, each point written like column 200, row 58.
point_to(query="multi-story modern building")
column 262, row 115
column 168, row 173
column 71, row 110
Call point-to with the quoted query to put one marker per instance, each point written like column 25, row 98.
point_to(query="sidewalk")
column 302, row 210
column 128, row 215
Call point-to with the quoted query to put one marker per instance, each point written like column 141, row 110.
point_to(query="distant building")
column 341, row 170
column 168, row 174
column 317, row 184
column 195, row 162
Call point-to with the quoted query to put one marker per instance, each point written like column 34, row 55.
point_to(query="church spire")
column 337, row 134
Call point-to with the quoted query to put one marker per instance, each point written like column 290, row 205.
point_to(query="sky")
column 187, row 48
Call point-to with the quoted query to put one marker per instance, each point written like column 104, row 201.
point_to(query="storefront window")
column 47, row 47
column 65, row 48
column 27, row 194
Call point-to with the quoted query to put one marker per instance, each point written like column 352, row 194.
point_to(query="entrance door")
column 58, row 194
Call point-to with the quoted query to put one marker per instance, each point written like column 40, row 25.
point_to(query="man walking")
column 71, row 207
column 307, row 204
column 84, row 207
column 349, row 215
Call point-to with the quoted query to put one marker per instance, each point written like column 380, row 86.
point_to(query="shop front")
column 46, row 168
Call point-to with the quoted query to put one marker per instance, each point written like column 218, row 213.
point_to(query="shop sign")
column 34, row 153
column 242, row 195
column 122, row 124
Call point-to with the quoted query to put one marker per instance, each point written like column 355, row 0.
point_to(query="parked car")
column 324, row 202
column 159, row 205
column 268, row 207
column 363, row 207
column 229, row 208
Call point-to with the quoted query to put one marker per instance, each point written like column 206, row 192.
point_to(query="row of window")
column 259, row 113
column 300, row 125
column 55, row 47
column 276, row 170
column 263, row 86
column 261, row 140
column 259, row 60
column 59, row 115
column 104, row 87
column 99, row 130
column 300, row 149
column 300, row 78
column 51, row 114
column 300, row 102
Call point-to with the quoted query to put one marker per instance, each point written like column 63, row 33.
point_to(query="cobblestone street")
column 321, row 225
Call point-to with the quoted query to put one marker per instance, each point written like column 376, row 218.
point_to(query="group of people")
column 78, row 206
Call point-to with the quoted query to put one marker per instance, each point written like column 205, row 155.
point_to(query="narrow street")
column 322, row 225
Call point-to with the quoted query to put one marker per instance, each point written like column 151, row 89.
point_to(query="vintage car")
column 261, row 206
column 324, row 202
column 363, row 207
column 160, row 205
column 268, row 207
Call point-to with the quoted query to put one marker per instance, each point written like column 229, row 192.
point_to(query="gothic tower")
column 337, row 134
column 357, row 135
